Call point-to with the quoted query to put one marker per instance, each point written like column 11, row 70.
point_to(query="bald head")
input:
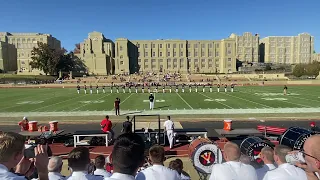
column 232, row 151
column 55, row 164
column 267, row 155
column 312, row 145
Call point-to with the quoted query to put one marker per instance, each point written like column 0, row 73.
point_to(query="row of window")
column 210, row 45
column 24, row 40
column 146, row 54
column 182, row 60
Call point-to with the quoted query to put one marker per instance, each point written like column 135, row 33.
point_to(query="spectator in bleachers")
column 157, row 171
column 54, row 168
column 127, row 126
column 245, row 159
column 285, row 171
column 311, row 151
column 266, row 156
column 79, row 164
column 178, row 166
column 99, row 163
column 12, row 157
column 233, row 168
column 127, row 156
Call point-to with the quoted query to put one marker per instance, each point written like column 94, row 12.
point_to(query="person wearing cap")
column 24, row 124
column 151, row 99
column 314, row 127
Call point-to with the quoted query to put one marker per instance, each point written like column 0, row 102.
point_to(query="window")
column 195, row 53
column 181, row 45
column 189, row 53
column 41, row 39
column 160, row 45
column 138, row 45
column 22, row 54
column 121, row 57
column 160, row 60
column 174, row 54
column 153, row 60
column 217, row 46
column 153, row 54
column 145, row 45
column 120, row 48
column 189, row 45
column 195, row 60
column 229, row 65
column 121, row 62
column 23, row 40
column 229, row 45
column 138, row 53
column 229, row 51
column 210, row 53
column 202, row 53
column 146, row 66
column 18, row 40
column 229, row 59
column 22, row 62
column 160, row 54
column 181, row 53
column 210, row 65
column 33, row 39
column 217, row 53
column 146, row 61
column 174, row 60
column 168, row 45
column 139, row 61
column 28, row 40
column 210, row 45
column 153, row 46
column 145, row 53
column 203, row 45
column 168, row 53
column 174, row 45
column 203, row 60
column 196, row 46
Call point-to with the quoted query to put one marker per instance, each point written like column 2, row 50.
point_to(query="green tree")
column 312, row 69
column 299, row 70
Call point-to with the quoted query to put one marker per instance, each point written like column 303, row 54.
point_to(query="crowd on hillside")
column 128, row 162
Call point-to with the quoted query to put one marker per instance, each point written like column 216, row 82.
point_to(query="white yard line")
column 88, row 103
column 248, row 100
column 124, row 100
column 165, row 112
column 304, row 99
column 184, row 101
column 56, row 103
column 216, row 101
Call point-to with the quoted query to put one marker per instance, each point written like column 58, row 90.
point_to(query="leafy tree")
column 44, row 58
column 299, row 70
column 312, row 69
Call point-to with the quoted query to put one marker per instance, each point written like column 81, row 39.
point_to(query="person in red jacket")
column 24, row 124
column 106, row 127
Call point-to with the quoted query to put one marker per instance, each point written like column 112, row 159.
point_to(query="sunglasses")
column 305, row 154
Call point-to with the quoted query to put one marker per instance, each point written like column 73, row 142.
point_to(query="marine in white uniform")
column 78, row 89
column 266, row 155
column 142, row 89
column 117, row 89
column 218, row 87
column 151, row 101
column 149, row 90
column 190, row 88
column 285, row 171
column 232, row 87
column 85, row 89
column 124, row 89
column 130, row 89
column 103, row 89
column 177, row 88
column 136, row 87
column 203, row 88
column 196, row 88
column 169, row 128
column 210, row 88
column 170, row 89
column 225, row 88
column 182, row 90
column 111, row 88
column 90, row 89
column 163, row 89
column 232, row 168
column 97, row 88
column 157, row 171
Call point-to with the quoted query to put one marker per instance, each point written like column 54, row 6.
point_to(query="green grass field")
column 244, row 100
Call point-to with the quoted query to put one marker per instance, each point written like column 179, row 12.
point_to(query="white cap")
column 25, row 118
column 151, row 93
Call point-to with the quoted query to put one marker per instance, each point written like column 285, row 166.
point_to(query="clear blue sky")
column 70, row 21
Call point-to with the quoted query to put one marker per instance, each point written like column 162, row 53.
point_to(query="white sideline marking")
column 88, row 103
column 184, row 101
column 216, row 101
column 248, row 100
column 123, row 100
column 165, row 112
